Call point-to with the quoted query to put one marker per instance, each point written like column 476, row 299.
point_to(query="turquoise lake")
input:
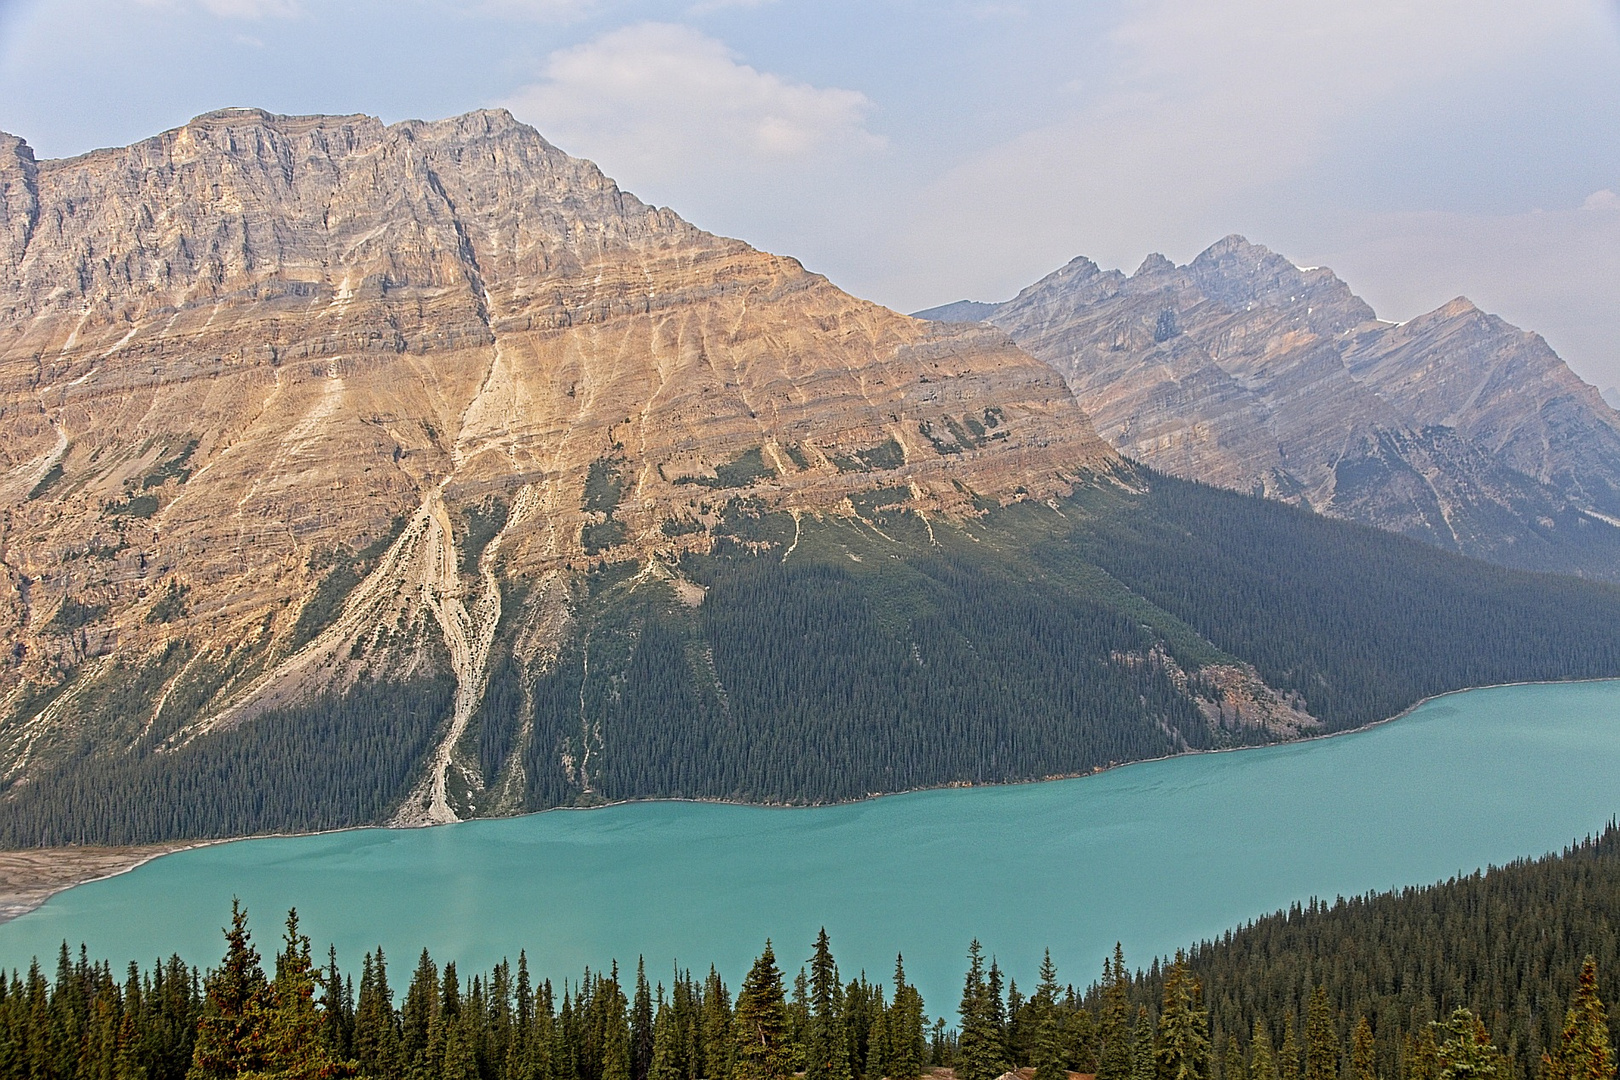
column 1157, row 855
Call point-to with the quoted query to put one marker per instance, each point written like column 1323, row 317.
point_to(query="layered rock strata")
column 1243, row 370
column 308, row 394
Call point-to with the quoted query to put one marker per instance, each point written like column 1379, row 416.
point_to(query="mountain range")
column 356, row 473
column 1243, row 370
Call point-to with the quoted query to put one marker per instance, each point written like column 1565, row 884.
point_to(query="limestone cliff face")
column 255, row 354
column 1243, row 370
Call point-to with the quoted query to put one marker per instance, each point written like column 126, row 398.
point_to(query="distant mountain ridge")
column 1244, row 370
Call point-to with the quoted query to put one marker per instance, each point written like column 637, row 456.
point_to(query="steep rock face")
column 307, row 395
column 1503, row 389
column 1243, row 370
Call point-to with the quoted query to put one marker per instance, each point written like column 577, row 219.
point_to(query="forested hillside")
column 1506, row 944
column 810, row 660
column 1496, row 976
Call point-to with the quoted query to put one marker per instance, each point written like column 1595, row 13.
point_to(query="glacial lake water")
column 1157, row 855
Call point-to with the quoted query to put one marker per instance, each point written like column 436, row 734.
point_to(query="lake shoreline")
column 30, row 877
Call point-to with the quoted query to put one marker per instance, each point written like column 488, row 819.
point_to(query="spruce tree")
column 565, row 1041
column 1321, row 1038
column 1423, row 1054
column 376, row 1034
column 337, row 1008
column 611, row 1016
column 878, row 1043
column 717, row 1034
column 1051, row 1047
column 759, row 1026
column 127, row 1064
column 1288, row 1052
column 1183, row 1043
column 826, row 1051
column 1584, row 1051
column 941, row 1047
column 798, row 1014
column 666, row 1056
column 978, row 1051
column 1144, row 1052
column 998, row 1008
column 294, row 1044
column 1232, row 1064
column 1049, row 1052
column 1363, row 1052
column 458, row 1060
column 1466, row 1052
column 641, row 1026
column 233, row 1037
column 1114, row 1023
column 908, row 1042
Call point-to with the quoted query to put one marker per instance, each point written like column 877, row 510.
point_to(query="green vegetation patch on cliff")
column 334, row 761
column 344, row 570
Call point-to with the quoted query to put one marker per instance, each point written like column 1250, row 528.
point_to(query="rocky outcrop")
column 1244, row 370
column 311, row 396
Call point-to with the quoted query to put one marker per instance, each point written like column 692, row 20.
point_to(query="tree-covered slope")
column 814, row 658
column 1506, row 944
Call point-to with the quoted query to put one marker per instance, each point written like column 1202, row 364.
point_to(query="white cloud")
column 657, row 103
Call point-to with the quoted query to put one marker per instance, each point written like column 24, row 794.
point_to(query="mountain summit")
column 254, row 360
column 1244, row 370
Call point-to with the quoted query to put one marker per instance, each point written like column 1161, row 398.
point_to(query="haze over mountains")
column 358, row 472
column 1244, row 370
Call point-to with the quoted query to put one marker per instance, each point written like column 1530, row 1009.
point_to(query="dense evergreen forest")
column 1496, row 976
column 887, row 653
column 831, row 659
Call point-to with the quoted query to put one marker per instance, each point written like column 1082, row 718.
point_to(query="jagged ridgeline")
column 361, row 473
column 1244, row 370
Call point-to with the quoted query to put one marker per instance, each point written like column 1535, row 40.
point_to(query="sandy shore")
column 29, row 878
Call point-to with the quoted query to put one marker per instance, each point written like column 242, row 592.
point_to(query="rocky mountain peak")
column 1239, row 274
column 1455, row 308
column 448, row 357
column 1245, row 370
column 1154, row 265
column 19, row 198
column 1080, row 281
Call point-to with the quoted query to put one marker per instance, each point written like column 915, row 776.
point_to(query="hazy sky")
column 919, row 153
